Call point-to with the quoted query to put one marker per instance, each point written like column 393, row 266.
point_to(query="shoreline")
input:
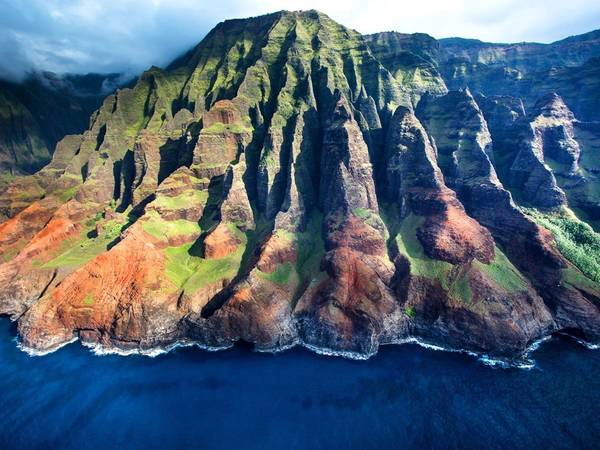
column 523, row 361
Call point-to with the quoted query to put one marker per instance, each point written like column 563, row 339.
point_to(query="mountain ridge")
column 290, row 181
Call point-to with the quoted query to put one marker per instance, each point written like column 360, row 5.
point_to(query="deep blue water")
column 406, row 396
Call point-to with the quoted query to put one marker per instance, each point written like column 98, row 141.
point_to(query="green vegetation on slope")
column 500, row 270
column 185, row 268
column 420, row 264
column 369, row 217
column 164, row 229
column 503, row 272
column 461, row 288
column 186, row 199
column 87, row 248
column 213, row 270
column 575, row 239
column 181, row 264
column 573, row 278
column 310, row 250
column 218, row 128
column 361, row 213
column 188, row 271
column 281, row 275
column 64, row 195
column 88, row 300
column 423, row 266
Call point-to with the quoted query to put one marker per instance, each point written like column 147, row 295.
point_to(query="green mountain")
column 290, row 181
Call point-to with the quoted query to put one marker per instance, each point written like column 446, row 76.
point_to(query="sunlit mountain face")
column 290, row 181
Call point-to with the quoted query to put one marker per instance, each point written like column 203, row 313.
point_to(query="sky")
column 128, row 36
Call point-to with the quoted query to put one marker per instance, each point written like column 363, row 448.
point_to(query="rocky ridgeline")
column 290, row 181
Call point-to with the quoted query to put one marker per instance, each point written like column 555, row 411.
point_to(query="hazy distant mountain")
column 40, row 111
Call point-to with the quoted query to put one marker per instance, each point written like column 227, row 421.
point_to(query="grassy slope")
column 310, row 251
column 88, row 246
column 188, row 271
column 501, row 271
column 576, row 240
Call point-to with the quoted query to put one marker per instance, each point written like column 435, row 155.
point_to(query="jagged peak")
column 465, row 95
column 552, row 105
column 342, row 110
column 513, row 104
column 271, row 19
column 231, row 29
column 407, row 115
column 407, row 131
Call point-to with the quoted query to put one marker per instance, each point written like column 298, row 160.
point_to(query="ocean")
column 404, row 397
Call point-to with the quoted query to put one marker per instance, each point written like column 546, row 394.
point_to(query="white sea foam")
column 587, row 345
column 279, row 349
column 34, row 352
column 100, row 350
column 330, row 352
column 523, row 362
column 316, row 349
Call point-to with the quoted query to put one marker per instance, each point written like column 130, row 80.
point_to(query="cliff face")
column 291, row 181
column 570, row 67
column 527, row 71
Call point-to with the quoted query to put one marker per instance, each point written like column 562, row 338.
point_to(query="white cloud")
column 130, row 35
